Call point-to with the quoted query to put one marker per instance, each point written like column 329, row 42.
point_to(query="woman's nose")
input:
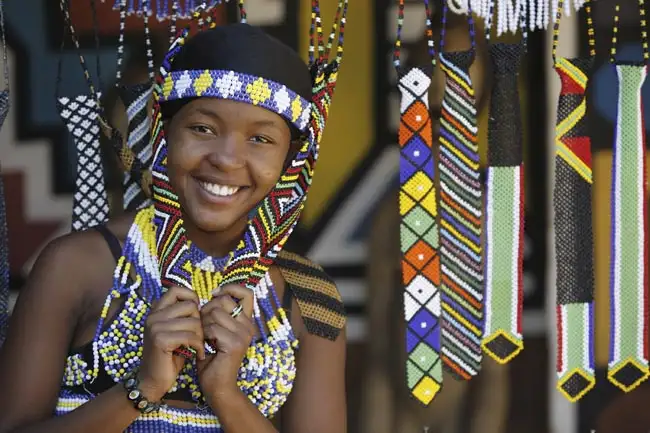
column 229, row 153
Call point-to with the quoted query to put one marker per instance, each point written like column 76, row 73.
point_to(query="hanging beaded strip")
column 136, row 101
column 80, row 115
column 628, row 358
column 164, row 9
column 504, row 205
column 572, row 206
column 278, row 213
column 418, row 227
column 460, row 215
column 4, row 237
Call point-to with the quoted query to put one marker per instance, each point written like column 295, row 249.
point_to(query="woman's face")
column 224, row 158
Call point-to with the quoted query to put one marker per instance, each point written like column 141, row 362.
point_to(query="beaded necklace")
column 80, row 115
column 572, row 206
column 629, row 356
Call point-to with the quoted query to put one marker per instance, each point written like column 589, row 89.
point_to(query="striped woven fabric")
column 573, row 232
column 460, row 220
column 628, row 360
column 316, row 294
column 136, row 99
column 504, row 208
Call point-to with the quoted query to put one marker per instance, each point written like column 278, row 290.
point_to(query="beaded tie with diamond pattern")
column 628, row 355
column 573, row 225
column 276, row 216
column 504, row 205
column 136, row 101
column 4, row 241
column 460, row 216
column 418, row 228
column 80, row 114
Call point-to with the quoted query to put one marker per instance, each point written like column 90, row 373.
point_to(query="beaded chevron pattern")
column 278, row 213
column 460, row 217
column 574, row 244
column 629, row 355
column 418, row 227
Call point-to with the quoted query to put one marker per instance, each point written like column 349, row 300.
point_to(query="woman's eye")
column 260, row 139
column 201, row 129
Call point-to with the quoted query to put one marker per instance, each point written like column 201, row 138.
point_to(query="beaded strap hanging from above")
column 276, row 216
column 572, row 206
column 629, row 302
column 136, row 100
column 504, row 205
column 460, row 215
column 4, row 236
column 538, row 14
column 80, row 114
column 418, row 226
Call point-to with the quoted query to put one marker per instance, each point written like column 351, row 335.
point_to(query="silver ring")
column 236, row 311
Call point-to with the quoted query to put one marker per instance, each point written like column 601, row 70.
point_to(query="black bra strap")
column 111, row 240
column 287, row 298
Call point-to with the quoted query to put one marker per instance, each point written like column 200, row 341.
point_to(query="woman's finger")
column 173, row 295
column 170, row 341
column 225, row 302
column 179, row 309
column 220, row 317
column 244, row 295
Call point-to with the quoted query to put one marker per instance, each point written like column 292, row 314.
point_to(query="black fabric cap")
column 245, row 49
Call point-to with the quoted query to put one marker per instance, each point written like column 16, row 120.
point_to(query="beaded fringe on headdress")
column 461, row 210
column 418, row 228
column 574, row 243
column 504, row 206
column 629, row 352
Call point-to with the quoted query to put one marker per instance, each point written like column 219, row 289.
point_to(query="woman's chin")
column 211, row 221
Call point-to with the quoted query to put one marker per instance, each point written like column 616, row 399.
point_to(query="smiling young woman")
column 94, row 347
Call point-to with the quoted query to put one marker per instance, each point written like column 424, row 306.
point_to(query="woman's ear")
column 294, row 147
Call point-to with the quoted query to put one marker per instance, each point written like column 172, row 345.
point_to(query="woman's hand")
column 174, row 321
column 230, row 333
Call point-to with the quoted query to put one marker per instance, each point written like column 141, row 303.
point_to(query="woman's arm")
column 317, row 403
column 40, row 333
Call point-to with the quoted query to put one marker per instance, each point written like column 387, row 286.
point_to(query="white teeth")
column 220, row 190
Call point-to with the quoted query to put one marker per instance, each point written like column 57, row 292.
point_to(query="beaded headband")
column 274, row 219
column 238, row 87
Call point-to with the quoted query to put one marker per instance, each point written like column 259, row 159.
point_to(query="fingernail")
column 216, row 291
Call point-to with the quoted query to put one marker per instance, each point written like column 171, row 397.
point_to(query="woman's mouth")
column 217, row 193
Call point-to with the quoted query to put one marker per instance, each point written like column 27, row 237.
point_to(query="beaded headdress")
column 275, row 217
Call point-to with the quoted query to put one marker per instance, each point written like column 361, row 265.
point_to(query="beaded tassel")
column 4, row 236
column 418, row 228
column 81, row 117
column 504, row 207
column 461, row 213
column 136, row 99
column 628, row 357
column 573, row 225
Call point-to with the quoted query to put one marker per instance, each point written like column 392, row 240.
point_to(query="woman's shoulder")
column 316, row 294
